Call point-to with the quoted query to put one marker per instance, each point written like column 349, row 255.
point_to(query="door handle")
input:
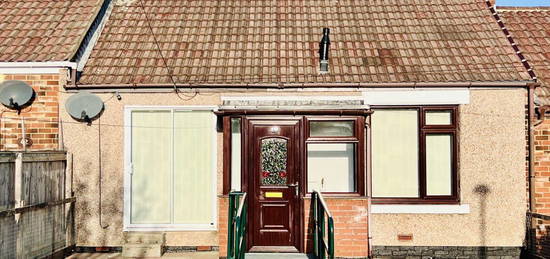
column 295, row 185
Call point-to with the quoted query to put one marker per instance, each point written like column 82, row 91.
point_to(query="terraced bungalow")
column 348, row 128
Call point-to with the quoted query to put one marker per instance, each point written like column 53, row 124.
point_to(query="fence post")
column 18, row 183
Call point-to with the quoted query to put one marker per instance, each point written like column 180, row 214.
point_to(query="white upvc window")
column 170, row 161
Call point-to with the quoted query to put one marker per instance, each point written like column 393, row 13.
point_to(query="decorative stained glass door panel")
column 273, row 161
column 273, row 166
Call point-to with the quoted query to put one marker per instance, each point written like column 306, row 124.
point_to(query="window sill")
column 420, row 209
column 169, row 228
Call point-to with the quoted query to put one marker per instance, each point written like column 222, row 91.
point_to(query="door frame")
column 246, row 180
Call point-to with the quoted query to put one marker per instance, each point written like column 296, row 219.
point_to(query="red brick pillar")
column 223, row 204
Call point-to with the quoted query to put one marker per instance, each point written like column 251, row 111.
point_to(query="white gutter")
column 38, row 64
column 48, row 67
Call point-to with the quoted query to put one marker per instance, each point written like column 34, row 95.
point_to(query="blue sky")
column 523, row 2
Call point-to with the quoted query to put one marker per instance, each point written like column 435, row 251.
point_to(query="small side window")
column 439, row 117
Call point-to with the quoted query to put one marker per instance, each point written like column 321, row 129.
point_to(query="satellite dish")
column 16, row 94
column 84, row 106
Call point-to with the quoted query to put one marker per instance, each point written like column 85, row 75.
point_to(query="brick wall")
column 41, row 117
column 223, row 205
column 350, row 226
column 542, row 168
column 538, row 244
column 539, row 229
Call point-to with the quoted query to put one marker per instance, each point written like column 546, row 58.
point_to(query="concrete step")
column 151, row 238
column 277, row 256
column 141, row 250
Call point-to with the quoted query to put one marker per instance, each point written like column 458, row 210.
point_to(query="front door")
column 273, row 167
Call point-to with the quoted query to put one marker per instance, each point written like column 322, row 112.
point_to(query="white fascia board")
column 41, row 70
column 60, row 64
column 416, row 96
column 50, row 67
column 419, row 209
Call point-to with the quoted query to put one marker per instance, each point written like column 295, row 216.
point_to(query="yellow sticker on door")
column 273, row 194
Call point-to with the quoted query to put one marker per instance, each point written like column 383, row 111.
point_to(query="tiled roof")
column 530, row 28
column 39, row 30
column 276, row 41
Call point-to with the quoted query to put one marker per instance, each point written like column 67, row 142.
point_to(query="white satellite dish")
column 84, row 106
column 16, row 94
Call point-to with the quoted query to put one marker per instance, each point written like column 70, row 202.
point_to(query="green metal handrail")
column 236, row 230
column 323, row 228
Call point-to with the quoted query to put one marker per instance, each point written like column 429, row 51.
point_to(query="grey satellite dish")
column 84, row 106
column 15, row 94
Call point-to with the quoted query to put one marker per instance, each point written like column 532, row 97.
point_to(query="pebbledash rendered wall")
column 41, row 118
column 492, row 183
column 491, row 129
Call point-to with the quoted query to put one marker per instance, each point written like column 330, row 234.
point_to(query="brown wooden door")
column 273, row 167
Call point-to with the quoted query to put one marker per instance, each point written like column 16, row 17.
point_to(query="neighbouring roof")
column 276, row 41
column 530, row 28
column 38, row 30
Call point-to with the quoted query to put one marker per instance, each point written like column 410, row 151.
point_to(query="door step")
column 273, row 249
column 277, row 255
column 142, row 244
column 141, row 250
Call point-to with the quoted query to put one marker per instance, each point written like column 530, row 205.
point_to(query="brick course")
column 223, row 205
column 41, row 117
column 350, row 226
column 539, row 232
column 542, row 168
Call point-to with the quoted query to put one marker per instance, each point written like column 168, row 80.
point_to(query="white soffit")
column 412, row 96
column 49, row 67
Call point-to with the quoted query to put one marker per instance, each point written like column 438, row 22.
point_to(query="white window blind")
column 439, row 164
column 193, row 167
column 151, row 159
column 173, row 161
column 331, row 167
column 395, row 153
column 236, row 154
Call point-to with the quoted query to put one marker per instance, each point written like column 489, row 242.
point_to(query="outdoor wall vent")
column 324, row 47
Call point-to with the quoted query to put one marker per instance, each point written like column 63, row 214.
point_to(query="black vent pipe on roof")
column 324, row 46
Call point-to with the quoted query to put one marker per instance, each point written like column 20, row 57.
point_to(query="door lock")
column 295, row 185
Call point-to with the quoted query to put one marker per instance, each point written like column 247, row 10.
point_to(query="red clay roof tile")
column 38, row 30
column 276, row 41
column 530, row 28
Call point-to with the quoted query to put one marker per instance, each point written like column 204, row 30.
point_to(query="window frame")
column 423, row 131
column 227, row 161
column 127, row 225
column 358, row 139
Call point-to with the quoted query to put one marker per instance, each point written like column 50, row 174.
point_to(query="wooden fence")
column 36, row 207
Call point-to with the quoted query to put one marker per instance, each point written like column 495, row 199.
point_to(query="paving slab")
column 188, row 255
column 277, row 256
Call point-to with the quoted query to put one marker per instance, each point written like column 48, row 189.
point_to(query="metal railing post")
column 236, row 229
column 230, row 230
column 323, row 228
